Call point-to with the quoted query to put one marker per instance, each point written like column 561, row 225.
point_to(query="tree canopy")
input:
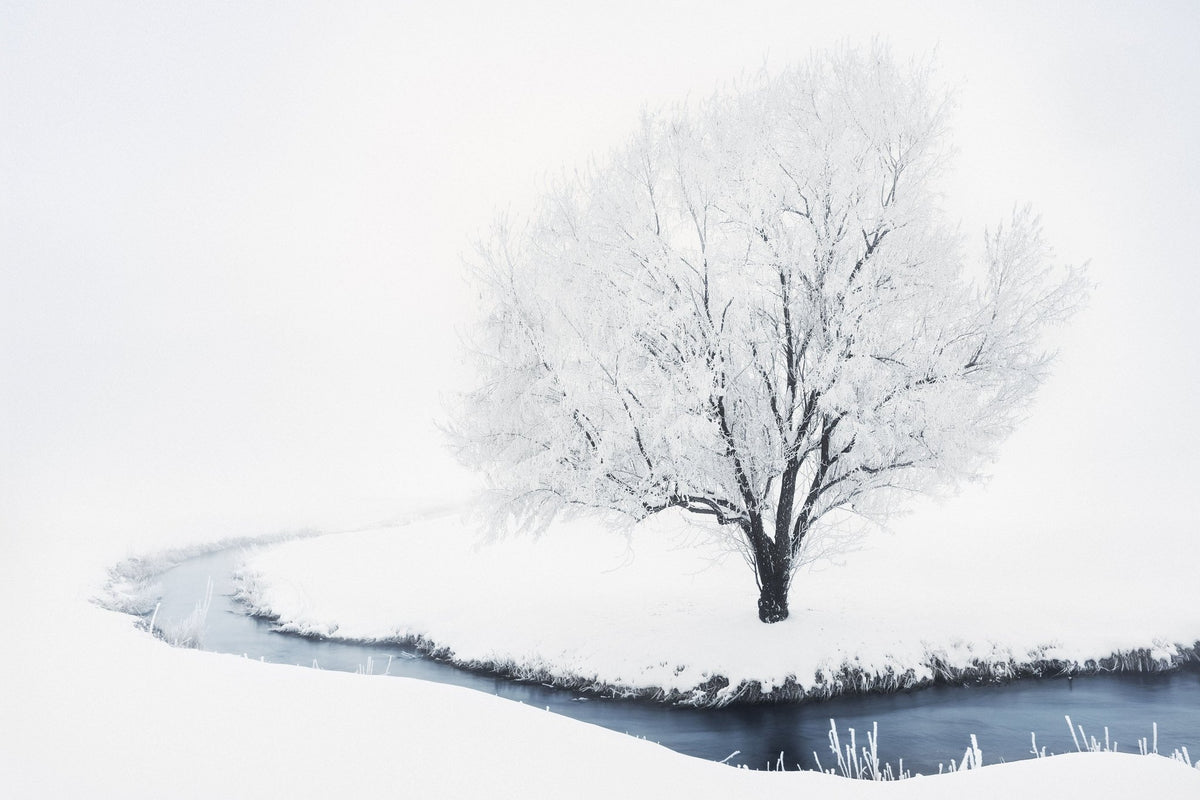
column 758, row 311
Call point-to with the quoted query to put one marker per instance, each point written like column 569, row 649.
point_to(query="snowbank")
column 95, row 708
column 658, row 612
column 138, row 719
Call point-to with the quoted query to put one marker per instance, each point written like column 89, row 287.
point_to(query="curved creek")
column 925, row 727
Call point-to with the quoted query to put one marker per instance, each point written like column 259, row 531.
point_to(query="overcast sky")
column 231, row 235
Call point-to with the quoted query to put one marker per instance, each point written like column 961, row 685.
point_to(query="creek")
column 925, row 727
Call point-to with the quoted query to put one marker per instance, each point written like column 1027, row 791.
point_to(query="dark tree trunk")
column 773, row 559
column 773, row 600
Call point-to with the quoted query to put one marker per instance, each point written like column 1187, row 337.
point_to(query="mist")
column 232, row 237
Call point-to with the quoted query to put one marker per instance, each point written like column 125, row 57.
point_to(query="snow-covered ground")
column 659, row 607
column 93, row 707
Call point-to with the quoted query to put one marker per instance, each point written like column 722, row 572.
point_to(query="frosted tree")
column 756, row 311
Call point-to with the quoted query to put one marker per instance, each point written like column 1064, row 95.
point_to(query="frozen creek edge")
column 130, row 585
column 716, row 691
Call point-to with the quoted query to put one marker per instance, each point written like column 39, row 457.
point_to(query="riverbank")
column 136, row 718
column 658, row 613
column 129, row 717
column 140, row 720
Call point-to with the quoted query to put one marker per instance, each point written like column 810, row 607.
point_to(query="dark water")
column 926, row 727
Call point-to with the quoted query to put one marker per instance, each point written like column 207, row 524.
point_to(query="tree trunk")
column 773, row 599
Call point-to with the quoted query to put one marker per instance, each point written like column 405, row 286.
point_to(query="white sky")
column 230, row 236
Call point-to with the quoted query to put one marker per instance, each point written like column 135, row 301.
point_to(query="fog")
column 231, row 240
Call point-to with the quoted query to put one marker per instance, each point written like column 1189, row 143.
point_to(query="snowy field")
column 659, row 607
column 95, row 708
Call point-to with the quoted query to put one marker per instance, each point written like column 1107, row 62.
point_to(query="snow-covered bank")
column 95, row 708
column 660, row 614
column 140, row 719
